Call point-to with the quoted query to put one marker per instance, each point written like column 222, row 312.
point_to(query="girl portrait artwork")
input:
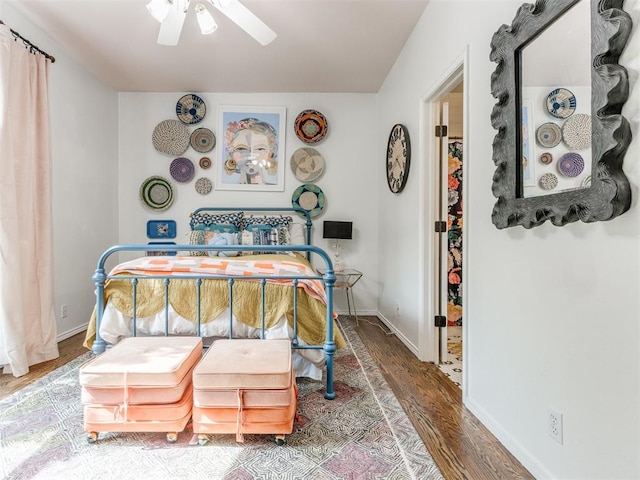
column 249, row 158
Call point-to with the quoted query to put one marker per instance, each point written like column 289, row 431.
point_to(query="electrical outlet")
column 554, row 420
column 64, row 310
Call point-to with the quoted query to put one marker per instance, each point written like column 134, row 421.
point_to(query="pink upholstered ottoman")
column 142, row 384
column 245, row 386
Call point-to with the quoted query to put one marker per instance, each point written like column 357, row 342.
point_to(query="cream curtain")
column 27, row 319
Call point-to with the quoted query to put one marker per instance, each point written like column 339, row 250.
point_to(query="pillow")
column 220, row 238
column 272, row 221
column 207, row 219
column 297, row 234
column 218, row 227
column 264, row 235
column 203, row 237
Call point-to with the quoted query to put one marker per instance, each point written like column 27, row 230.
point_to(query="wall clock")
column 398, row 158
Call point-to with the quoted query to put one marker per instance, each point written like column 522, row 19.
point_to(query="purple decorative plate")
column 182, row 170
column 570, row 164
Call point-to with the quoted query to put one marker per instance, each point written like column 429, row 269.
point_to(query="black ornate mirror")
column 561, row 137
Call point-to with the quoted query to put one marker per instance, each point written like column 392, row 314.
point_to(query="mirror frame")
column 609, row 194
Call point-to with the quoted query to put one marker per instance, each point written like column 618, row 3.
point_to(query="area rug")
column 362, row 434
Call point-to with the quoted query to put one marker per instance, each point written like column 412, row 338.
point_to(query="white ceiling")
column 322, row 45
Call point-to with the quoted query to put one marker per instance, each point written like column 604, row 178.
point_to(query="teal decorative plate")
column 310, row 198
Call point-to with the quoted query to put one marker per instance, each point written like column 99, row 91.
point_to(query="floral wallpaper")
column 454, row 229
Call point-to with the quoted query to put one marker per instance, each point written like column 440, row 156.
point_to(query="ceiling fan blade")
column 171, row 27
column 245, row 19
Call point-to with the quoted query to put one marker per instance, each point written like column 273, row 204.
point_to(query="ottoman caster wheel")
column 92, row 437
column 279, row 440
column 172, row 437
column 203, row 439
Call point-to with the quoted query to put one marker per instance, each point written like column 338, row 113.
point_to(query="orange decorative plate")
column 311, row 126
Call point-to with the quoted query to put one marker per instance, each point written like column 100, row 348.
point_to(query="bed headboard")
column 265, row 210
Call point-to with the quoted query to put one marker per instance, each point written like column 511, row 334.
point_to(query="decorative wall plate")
column 561, row 103
column 203, row 140
column 203, row 185
column 191, row 109
column 576, row 132
column 548, row 181
column 171, row 137
column 546, row 158
column 571, row 164
column 308, row 197
column 161, row 229
column 398, row 158
column 548, row 135
column 156, row 193
column 307, row 164
column 205, row 162
column 311, row 126
column 182, row 170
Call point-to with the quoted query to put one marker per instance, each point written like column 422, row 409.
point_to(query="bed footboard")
column 328, row 347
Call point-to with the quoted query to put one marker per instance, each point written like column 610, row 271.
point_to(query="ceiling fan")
column 171, row 15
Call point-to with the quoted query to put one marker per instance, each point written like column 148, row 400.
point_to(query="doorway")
column 450, row 250
column 444, row 139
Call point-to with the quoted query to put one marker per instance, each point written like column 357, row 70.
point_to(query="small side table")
column 346, row 279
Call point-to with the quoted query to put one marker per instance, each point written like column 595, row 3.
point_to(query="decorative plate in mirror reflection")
column 548, row 181
column 546, row 158
column 561, row 103
column 548, row 135
column 576, row 132
column 571, row 164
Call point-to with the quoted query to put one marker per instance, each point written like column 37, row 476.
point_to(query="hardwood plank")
column 68, row 349
column 460, row 445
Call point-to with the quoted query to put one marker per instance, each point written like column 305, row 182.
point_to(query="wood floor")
column 460, row 445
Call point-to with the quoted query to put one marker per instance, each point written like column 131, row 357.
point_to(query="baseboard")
column 397, row 333
column 72, row 332
column 527, row 460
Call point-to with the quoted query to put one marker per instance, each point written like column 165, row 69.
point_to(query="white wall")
column 552, row 314
column 348, row 182
column 84, row 138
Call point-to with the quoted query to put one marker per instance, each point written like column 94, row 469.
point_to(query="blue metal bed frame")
column 329, row 278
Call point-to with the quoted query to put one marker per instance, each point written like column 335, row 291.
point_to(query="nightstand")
column 346, row 279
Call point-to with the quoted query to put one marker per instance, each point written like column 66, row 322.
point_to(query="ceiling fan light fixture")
column 206, row 21
column 159, row 9
column 245, row 19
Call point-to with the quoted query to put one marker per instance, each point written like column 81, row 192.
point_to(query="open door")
column 441, row 243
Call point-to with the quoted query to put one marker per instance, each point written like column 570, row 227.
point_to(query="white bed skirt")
column 115, row 326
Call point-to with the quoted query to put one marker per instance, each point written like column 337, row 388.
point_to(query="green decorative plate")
column 156, row 193
column 310, row 198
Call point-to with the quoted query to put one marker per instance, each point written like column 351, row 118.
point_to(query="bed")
column 263, row 285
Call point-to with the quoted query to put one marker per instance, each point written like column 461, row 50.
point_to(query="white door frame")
column 429, row 188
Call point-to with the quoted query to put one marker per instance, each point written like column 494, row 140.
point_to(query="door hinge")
column 440, row 226
column 440, row 321
column 441, row 130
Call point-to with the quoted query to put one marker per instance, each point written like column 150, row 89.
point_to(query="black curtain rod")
column 32, row 48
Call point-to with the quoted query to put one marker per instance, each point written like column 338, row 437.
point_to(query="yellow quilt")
column 214, row 293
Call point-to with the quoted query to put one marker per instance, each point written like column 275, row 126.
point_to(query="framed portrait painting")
column 251, row 154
